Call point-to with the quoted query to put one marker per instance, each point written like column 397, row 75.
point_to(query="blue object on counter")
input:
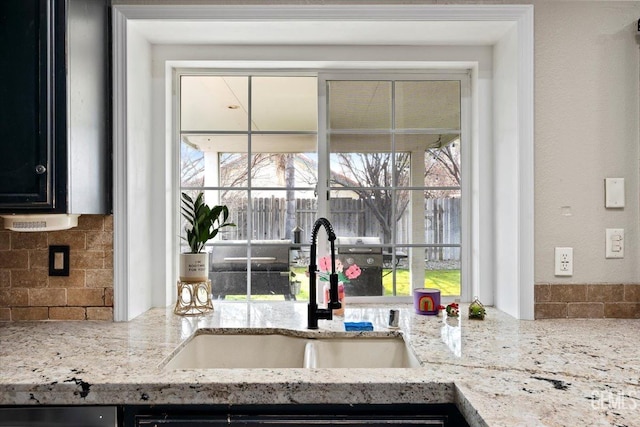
column 358, row 326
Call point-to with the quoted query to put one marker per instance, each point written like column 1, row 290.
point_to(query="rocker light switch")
column 58, row 260
column 614, row 246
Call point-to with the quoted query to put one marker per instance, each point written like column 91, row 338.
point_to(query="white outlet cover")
column 564, row 262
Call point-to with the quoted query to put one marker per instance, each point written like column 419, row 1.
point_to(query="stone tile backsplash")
column 27, row 292
column 557, row 301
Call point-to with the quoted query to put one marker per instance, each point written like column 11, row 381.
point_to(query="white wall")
column 506, row 174
column 586, row 128
column 482, row 186
column 141, row 158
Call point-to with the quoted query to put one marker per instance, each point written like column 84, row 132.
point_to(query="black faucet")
column 313, row 312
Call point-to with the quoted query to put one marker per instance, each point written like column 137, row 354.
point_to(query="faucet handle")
column 334, row 305
column 334, row 299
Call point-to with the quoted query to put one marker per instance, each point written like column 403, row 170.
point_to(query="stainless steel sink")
column 220, row 351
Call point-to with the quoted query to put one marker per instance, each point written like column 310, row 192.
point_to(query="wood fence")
column 350, row 217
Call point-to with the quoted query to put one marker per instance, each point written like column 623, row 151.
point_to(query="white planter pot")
column 194, row 267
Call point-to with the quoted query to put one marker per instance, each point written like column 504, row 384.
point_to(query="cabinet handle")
column 40, row 169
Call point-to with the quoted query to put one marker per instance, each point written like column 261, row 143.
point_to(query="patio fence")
column 350, row 217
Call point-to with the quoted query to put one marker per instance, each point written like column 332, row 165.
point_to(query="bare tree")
column 290, row 183
column 235, row 167
column 442, row 169
column 370, row 176
column 449, row 160
column 191, row 167
column 235, row 173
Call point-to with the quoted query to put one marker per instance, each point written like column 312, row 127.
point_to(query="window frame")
column 464, row 77
column 323, row 152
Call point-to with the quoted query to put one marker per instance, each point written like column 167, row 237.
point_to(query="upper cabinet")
column 32, row 103
column 54, row 107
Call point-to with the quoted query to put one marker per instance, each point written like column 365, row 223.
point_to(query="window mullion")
column 249, row 185
column 324, row 177
column 467, row 286
column 394, row 189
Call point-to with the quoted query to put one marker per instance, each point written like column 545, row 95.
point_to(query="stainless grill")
column 269, row 269
column 363, row 252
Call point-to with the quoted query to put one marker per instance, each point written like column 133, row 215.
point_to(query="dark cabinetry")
column 32, row 105
column 54, row 106
column 58, row 416
column 443, row 415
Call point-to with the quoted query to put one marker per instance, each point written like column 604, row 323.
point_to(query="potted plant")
column 203, row 224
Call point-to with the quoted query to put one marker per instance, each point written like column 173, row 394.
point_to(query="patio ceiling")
column 216, row 104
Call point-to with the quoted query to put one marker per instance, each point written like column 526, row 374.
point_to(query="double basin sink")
column 280, row 350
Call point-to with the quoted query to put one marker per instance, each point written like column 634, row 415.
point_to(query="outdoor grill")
column 269, row 269
column 363, row 252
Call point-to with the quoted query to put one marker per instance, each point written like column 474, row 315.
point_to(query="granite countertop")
column 500, row 371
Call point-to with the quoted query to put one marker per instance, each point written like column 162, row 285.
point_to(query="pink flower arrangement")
column 324, row 265
column 353, row 272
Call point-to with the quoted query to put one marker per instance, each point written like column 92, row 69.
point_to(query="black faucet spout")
column 313, row 312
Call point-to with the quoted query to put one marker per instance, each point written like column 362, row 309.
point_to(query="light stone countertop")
column 500, row 371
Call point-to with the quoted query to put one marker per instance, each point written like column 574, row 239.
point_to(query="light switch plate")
column 59, row 260
column 614, row 193
column 614, row 244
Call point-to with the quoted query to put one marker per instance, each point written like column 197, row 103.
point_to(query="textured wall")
column 586, row 111
column 28, row 293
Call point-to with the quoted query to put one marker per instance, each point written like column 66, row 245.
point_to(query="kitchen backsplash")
column 592, row 301
column 27, row 292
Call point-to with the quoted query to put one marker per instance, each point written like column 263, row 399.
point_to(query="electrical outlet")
column 564, row 262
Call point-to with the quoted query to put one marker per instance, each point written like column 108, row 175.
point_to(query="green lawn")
column 448, row 281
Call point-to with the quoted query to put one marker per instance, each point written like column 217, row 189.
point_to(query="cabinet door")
column 32, row 105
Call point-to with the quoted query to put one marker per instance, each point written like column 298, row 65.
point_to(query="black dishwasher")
column 58, row 416
column 442, row 415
